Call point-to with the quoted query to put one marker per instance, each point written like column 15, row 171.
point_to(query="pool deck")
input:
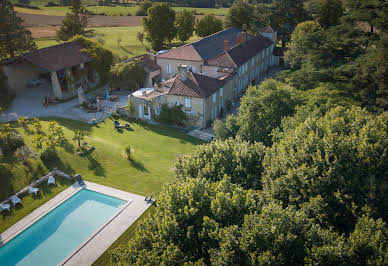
column 99, row 241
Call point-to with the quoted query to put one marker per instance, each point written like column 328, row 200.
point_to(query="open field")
column 129, row 46
column 154, row 151
column 113, row 10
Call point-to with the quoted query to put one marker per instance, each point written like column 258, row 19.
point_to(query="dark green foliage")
column 262, row 109
column 220, row 130
column 75, row 22
column 14, row 37
column 128, row 76
column 330, row 12
column 3, row 82
column 49, row 155
column 9, row 139
column 102, row 58
column 235, row 158
column 240, row 15
column 341, row 157
column 143, row 8
column 208, row 25
column 184, row 23
column 173, row 115
column 159, row 25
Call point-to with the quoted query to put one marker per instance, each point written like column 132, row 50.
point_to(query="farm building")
column 57, row 71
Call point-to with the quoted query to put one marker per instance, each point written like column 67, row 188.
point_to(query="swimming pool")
column 57, row 234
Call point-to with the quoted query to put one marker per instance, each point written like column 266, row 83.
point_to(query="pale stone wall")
column 20, row 75
column 162, row 62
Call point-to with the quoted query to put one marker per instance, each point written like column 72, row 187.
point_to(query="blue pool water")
column 57, row 234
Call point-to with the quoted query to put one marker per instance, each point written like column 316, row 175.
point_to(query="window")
column 193, row 69
column 168, row 68
column 252, row 61
column 145, row 110
column 157, row 111
column 214, row 97
column 187, row 102
column 221, row 92
column 177, row 103
column 262, row 54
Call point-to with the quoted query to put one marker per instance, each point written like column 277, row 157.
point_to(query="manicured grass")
column 104, row 259
column 155, row 149
column 129, row 46
column 114, row 10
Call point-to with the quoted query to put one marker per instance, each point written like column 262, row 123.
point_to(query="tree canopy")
column 208, row 25
column 14, row 37
column 184, row 23
column 159, row 25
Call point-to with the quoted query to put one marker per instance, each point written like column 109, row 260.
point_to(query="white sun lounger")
column 15, row 200
column 5, row 207
column 33, row 190
column 51, row 180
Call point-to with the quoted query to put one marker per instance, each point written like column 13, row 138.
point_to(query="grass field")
column 154, row 151
column 129, row 45
column 113, row 10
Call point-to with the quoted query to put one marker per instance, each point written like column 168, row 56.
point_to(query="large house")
column 205, row 75
column 54, row 68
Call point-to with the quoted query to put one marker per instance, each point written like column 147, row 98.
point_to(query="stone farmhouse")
column 205, row 76
column 58, row 69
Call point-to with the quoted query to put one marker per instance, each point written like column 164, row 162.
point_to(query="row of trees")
column 163, row 24
column 299, row 175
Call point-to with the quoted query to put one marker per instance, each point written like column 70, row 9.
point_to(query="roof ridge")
column 218, row 32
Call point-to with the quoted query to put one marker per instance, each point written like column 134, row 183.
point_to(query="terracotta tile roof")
column 196, row 85
column 222, row 60
column 186, row 52
column 204, row 48
column 151, row 65
column 57, row 57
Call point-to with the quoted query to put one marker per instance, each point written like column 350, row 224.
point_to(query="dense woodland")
column 300, row 175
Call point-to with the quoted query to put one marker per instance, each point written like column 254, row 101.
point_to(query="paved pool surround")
column 99, row 241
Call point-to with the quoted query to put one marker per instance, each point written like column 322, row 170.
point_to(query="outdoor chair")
column 15, row 200
column 51, row 180
column 4, row 207
column 33, row 190
column 118, row 125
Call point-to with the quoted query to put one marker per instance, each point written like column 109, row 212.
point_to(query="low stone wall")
column 54, row 172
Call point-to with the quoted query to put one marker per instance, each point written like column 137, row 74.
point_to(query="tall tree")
column 75, row 22
column 3, row 82
column 159, row 25
column 329, row 12
column 208, row 25
column 14, row 37
column 184, row 22
column 240, row 15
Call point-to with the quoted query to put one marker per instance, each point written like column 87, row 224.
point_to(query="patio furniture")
column 79, row 180
column 114, row 98
column 33, row 190
column 15, row 200
column 51, row 180
column 118, row 125
column 4, row 207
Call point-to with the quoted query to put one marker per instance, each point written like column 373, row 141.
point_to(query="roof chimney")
column 238, row 38
column 152, row 55
column 226, row 45
column 182, row 72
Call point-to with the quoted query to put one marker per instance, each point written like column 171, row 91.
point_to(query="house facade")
column 205, row 76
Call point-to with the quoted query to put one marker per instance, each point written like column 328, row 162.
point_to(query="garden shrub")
column 172, row 115
column 49, row 154
column 9, row 142
column 128, row 76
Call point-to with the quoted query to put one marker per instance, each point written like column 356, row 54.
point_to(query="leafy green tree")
column 330, row 12
column 14, row 37
column 184, row 23
column 303, row 39
column 285, row 15
column 3, row 82
column 220, row 130
column 130, row 75
column 75, row 22
column 341, row 157
column 262, row 109
column 240, row 15
column 159, row 25
column 208, row 25
column 235, row 158
column 143, row 8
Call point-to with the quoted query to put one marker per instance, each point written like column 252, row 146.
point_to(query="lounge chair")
column 33, row 190
column 118, row 125
column 5, row 207
column 15, row 200
column 51, row 180
column 79, row 180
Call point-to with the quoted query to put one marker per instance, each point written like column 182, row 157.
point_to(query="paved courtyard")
column 29, row 103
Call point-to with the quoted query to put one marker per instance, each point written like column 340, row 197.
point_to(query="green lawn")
column 114, row 10
column 155, row 149
column 130, row 46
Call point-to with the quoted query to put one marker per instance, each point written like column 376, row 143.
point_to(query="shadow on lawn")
column 138, row 165
column 95, row 166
